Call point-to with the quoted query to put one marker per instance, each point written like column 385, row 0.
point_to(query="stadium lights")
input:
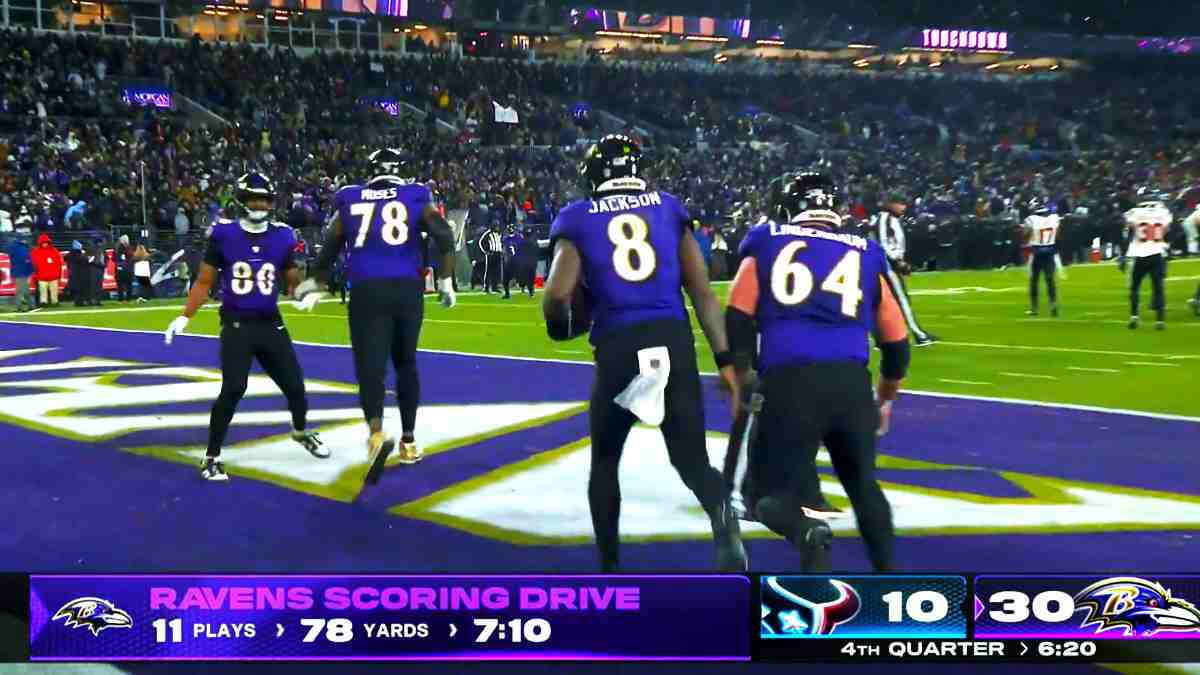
column 705, row 38
column 1054, row 67
column 771, row 43
column 420, row 26
column 619, row 33
column 854, row 45
column 935, row 64
column 991, row 66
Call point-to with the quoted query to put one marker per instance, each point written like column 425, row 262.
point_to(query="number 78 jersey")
column 819, row 293
column 382, row 223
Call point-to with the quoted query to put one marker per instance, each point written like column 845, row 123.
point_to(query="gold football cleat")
column 410, row 453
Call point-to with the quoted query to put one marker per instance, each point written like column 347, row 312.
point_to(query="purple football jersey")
column 629, row 245
column 818, row 293
column 252, row 265
column 382, row 223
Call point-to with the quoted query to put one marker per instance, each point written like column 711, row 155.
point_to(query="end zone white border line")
column 911, row 392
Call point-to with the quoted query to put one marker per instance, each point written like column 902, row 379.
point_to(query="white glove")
column 446, row 292
column 307, row 295
column 308, row 302
column 176, row 328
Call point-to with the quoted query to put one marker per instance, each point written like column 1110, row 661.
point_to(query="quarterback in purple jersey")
column 801, row 309
column 381, row 226
column 631, row 251
column 251, row 257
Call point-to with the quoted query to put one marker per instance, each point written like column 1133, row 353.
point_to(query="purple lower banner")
column 376, row 617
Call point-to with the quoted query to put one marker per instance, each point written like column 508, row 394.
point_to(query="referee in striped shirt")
column 491, row 244
column 888, row 229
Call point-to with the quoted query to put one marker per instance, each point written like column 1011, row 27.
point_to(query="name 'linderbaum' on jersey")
column 383, row 221
column 820, row 293
column 629, row 247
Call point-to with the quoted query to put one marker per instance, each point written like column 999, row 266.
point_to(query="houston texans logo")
column 785, row 613
column 92, row 613
column 1136, row 606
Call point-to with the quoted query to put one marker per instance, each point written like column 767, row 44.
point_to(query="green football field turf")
column 989, row 347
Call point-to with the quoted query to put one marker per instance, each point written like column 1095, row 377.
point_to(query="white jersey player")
column 1041, row 227
column 1148, row 223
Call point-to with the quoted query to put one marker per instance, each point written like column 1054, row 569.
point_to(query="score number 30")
column 1047, row 606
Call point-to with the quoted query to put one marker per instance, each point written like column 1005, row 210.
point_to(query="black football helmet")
column 254, row 185
column 612, row 164
column 1037, row 205
column 809, row 196
column 390, row 162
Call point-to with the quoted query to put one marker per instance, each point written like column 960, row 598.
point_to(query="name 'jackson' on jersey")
column 252, row 266
column 382, row 222
column 820, row 293
column 629, row 246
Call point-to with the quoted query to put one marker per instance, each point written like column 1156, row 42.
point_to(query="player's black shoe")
column 379, row 447
column 309, row 441
column 727, row 535
column 1054, row 311
column 1160, row 325
column 927, row 339
column 811, row 537
column 211, row 469
column 1195, row 303
column 1133, row 322
column 1031, row 312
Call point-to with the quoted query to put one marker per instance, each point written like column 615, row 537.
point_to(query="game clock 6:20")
column 534, row 630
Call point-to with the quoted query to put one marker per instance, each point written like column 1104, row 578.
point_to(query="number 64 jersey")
column 818, row 290
column 252, row 267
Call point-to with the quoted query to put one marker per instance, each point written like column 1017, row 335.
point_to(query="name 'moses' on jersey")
column 252, row 265
column 820, row 291
column 382, row 222
column 629, row 246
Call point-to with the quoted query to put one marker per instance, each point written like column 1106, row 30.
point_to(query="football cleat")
column 927, row 340
column 379, row 447
column 1160, row 325
column 1195, row 303
column 211, row 469
column 1133, row 322
column 727, row 535
column 1031, row 312
column 309, row 441
column 409, row 453
column 822, row 510
column 1054, row 311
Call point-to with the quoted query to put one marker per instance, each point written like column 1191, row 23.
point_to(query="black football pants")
column 1155, row 267
column 243, row 342
column 385, row 323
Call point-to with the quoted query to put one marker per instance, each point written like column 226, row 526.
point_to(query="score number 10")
column 922, row 606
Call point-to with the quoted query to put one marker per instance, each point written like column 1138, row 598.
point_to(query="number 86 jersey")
column 818, row 293
column 382, row 223
column 252, row 267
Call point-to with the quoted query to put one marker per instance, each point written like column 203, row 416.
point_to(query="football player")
column 808, row 296
column 1148, row 223
column 380, row 225
column 1041, row 230
column 252, row 256
column 632, row 250
column 1191, row 228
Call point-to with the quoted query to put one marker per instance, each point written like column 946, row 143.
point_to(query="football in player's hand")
column 581, row 311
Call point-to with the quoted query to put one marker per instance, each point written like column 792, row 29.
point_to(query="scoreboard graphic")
column 769, row 618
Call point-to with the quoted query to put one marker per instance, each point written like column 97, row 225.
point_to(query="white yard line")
column 1152, row 364
column 1033, row 376
column 588, row 364
column 1094, row 370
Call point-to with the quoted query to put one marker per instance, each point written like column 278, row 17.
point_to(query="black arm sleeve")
column 330, row 248
column 895, row 358
column 743, row 337
column 439, row 231
column 212, row 254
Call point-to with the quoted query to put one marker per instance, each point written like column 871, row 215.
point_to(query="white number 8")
column 630, row 242
column 244, row 278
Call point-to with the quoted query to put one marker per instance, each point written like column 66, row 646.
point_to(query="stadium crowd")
column 962, row 149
